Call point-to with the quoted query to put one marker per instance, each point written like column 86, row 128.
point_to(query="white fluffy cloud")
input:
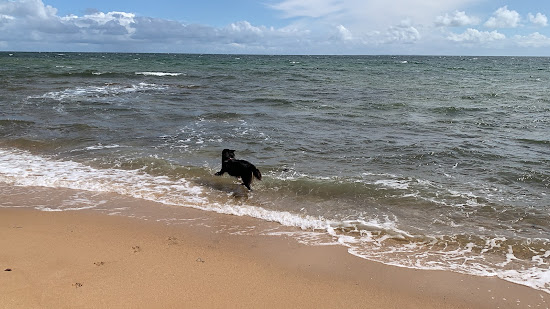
column 534, row 40
column 457, row 19
column 539, row 20
column 504, row 18
column 476, row 36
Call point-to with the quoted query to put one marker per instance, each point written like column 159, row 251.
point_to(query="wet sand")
column 85, row 259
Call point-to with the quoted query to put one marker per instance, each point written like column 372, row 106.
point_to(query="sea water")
column 421, row 162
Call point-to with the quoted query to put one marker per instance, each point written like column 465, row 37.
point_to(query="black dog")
column 238, row 168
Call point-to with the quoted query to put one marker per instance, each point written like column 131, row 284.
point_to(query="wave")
column 157, row 180
column 272, row 101
column 458, row 110
column 16, row 122
column 376, row 238
column 33, row 170
column 160, row 74
column 66, row 71
column 101, row 147
column 85, row 73
column 14, row 126
column 534, row 141
column 140, row 182
column 105, row 90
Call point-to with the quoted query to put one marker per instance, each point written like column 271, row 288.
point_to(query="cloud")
column 22, row 18
column 112, row 19
column 458, row 19
column 538, row 20
column 6, row 18
column 504, row 18
column 375, row 22
column 476, row 36
column 112, row 23
column 404, row 33
column 344, row 33
column 534, row 40
column 27, row 9
column 307, row 8
column 371, row 14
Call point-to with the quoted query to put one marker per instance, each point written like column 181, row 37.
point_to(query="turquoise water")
column 425, row 162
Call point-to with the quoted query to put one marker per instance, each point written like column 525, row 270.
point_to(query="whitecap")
column 158, row 74
column 393, row 183
column 95, row 91
column 100, row 146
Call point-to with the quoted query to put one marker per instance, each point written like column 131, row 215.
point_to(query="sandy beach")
column 82, row 259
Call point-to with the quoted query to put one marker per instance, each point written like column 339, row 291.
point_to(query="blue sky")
column 422, row 27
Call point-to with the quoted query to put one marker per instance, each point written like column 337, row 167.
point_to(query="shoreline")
column 86, row 259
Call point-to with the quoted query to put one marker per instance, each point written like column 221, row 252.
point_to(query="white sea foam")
column 393, row 183
column 462, row 260
column 158, row 74
column 100, row 146
column 31, row 170
column 49, row 209
column 306, row 237
column 95, row 91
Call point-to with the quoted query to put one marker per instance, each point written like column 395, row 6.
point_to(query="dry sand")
column 82, row 259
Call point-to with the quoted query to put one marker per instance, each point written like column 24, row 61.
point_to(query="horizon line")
column 270, row 55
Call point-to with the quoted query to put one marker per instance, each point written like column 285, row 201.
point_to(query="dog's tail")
column 257, row 173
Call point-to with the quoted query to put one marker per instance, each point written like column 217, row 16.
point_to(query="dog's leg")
column 247, row 179
column 221, row 172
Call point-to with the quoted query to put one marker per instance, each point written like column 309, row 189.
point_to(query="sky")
column 312, row 27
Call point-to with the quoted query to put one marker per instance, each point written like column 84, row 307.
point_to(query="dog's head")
column 228, row 154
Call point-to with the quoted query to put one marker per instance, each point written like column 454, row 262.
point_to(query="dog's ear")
column 230, row 150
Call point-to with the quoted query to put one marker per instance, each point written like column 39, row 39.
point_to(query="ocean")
column 417, row 161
